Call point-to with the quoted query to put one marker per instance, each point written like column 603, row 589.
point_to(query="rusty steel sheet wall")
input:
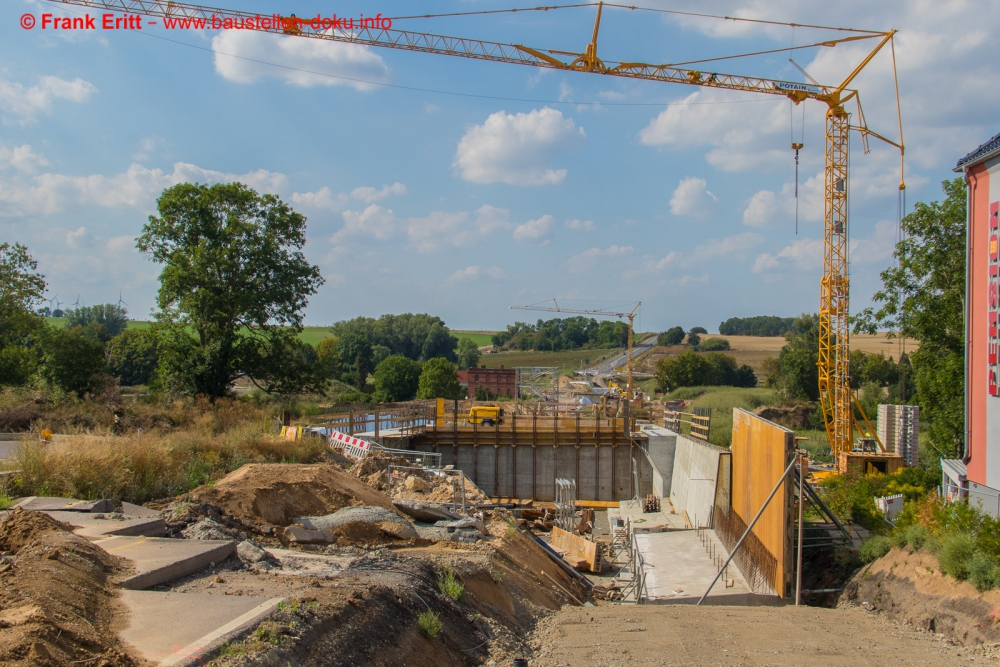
column 761, row 450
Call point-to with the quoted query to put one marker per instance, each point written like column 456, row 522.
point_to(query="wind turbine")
column 120, row 302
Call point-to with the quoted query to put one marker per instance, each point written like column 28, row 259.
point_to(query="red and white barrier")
column 353, row 448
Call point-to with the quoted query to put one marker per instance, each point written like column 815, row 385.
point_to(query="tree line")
column 761, row 325
column 233, row 285
column 562, row 334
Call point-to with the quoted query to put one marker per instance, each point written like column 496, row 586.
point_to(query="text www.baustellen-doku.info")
column 211, row 22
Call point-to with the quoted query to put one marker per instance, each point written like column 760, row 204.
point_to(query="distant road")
column 608, row 367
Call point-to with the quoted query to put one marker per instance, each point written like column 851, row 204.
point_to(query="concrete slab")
column 678, row 570
column 158, row 560
column 164, row 629
column 7, row 448
column 651, row 521
column 128, row 509
column 302, row 563
column 47, row 504
column 95, row 526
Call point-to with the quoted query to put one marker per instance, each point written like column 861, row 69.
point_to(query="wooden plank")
column 577, row 549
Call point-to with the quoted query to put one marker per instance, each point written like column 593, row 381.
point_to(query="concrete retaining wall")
column 685, row 470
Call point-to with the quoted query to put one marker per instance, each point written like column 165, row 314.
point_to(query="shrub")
column 957, row 550
column 874, row 548
column 984, row 573
column 430, row 624
column 449, row 584
column 714, row 345
column 916, row 536
column 672, row 336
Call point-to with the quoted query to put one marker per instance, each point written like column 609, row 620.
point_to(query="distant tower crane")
column 629, row 388
column 836, row 397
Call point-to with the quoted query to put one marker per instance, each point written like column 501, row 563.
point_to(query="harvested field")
column 274, row 494
column 57, row 606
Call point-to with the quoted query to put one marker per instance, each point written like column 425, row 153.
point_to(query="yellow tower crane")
column 629, row 386
column 836, row 396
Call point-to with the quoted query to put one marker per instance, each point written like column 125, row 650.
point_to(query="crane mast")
column 836, row 397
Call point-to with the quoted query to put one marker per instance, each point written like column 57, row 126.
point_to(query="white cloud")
column 490, row 218
column 733, row 248
column 565, row 91
column 369, row 195
column 769, row 209
column 517, row 149
column 137, row 187
column 534, row 231
column 28, row 102
column 374, row 222
column 580, row 225
column 761, row 209
column 876, row 247
column 692, row 198
column 21, row 158
column 322, row 199
column 355, row 64
column 471, row 273
column 594, row 258
column 80, row 238
column 802, row 254
column 438, row 230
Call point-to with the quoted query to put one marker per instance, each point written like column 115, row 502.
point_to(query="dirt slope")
column 57, row 607
column 612, row 636
column 909, row 587
column 275, row 493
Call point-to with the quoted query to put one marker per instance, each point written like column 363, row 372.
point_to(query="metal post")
column 798, row 564
column 781, row 480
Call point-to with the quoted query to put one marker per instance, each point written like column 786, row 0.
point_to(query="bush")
column 874, row 548
column 672, row 336
column 73, row 361
column 916, row 536
column 449, row 584
column 430, row 624
column 956, row 552
column 984, row 573
column 714, row 345
column 132, row 356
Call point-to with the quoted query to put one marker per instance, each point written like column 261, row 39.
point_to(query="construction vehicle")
column 836, row 396
column 485, row 415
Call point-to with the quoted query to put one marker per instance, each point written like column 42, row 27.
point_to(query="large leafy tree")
column 798, row 358
column 439, row 379
column 235, row 277
column 21, row 290
column 73, row 359
column 132, row 356
column 396, row 379
column 468, row 353
column 105, row 320
column 923, row 297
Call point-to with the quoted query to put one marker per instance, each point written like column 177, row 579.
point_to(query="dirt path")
column 611, row 635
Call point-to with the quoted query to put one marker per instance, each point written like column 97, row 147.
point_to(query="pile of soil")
column 910, row 588
column 57, row 606
column 795, row 417
column 373, row 469
column 428, row 486
column 274, row 494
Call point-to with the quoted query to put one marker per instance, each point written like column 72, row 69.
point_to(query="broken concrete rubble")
column 424, row 511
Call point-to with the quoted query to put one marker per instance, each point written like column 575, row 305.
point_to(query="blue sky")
column 525, row 185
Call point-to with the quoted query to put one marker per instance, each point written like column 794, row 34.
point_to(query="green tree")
column 439, row 379
column 112, row 317
column 714, row 345
column 396, row 379
column 693, row 338
column 21, row 290
column 328, row 359
column 234, row 274
column 468, row 353
column 688, row 369
column 672, row 336
column 699, row 330
column 797, row 359
column 132, row 356
column 355, row 352
column 73, row 360
column 924, row 298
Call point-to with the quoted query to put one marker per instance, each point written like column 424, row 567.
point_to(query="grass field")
column 567, row 360
column 481, row 337
column 722, row 400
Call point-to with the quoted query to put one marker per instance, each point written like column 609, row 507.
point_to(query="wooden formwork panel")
column 761, row 451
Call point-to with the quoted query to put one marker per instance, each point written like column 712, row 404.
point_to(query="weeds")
column 957, row 550
column 874, row 548
column 430, row 624
column 495, row 574
column 449, row 584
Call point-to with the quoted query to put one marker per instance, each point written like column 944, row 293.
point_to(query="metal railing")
column 423, row 459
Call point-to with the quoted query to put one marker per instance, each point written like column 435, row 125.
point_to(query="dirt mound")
column 794, row 417
column 430, row 486
column 373, row 469
column 275, row 493
column 909, row 587
column 56, row 605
